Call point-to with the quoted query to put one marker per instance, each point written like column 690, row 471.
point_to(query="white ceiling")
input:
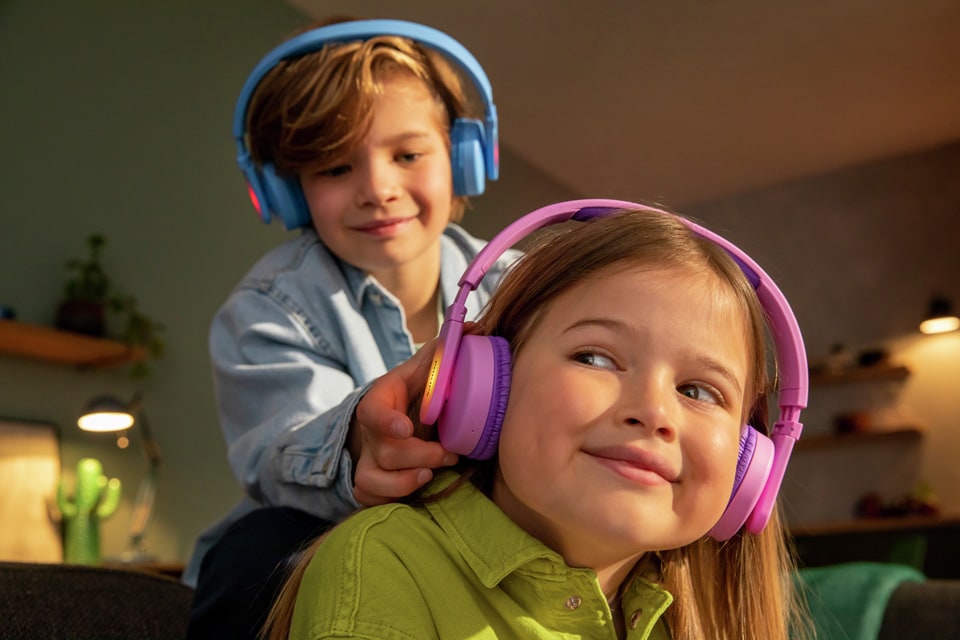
column 682, row 101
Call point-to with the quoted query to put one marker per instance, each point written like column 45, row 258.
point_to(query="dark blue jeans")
column 242, row 573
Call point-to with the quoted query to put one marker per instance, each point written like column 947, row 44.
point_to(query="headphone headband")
column 448, row 396
column 788, row 341
column 316, row 39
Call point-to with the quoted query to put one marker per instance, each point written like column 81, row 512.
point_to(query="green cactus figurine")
column 95, row 499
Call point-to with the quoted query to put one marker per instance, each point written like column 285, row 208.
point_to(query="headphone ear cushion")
column 466, row 157
column 284, row 197
column 479, row 390
column 754, row 462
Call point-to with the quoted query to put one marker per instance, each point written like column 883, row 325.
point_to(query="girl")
column 638, row 356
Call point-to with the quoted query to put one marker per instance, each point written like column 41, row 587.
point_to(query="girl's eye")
column 701, row 393
column 593, row 359
column 407, row 158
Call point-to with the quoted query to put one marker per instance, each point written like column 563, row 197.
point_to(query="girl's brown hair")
column 740, row 589
column 314, row 108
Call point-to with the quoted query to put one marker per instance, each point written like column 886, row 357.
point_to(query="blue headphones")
column 474, row 148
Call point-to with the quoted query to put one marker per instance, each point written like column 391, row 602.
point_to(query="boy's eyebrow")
column 407, row 136
column 620, row 327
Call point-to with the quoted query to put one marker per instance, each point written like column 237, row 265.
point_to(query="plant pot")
column 88, row 317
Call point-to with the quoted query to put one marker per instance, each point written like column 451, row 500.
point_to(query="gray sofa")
column 70, row 602
column 74, row 602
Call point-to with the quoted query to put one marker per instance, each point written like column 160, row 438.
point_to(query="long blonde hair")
column 740, row 589
column 316, row 107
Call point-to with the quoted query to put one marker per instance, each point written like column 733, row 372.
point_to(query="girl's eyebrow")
column 704, row 360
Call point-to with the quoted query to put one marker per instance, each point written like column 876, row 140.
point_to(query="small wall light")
column 940, row 317
column 107, row 413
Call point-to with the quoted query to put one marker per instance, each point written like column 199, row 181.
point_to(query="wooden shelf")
column 63, row 347
column 829, row 441
column 877, row 373
column 867, row 525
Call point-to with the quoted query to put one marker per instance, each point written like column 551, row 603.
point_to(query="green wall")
column 116, row 118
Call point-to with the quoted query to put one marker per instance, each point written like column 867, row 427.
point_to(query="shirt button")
column 573, row 602
column 635, row 618
column 376, row 298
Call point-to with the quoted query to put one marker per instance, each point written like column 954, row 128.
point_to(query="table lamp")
column 108, row 413
column 940, row 317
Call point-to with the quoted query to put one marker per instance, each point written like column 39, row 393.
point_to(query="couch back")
column 61, row 601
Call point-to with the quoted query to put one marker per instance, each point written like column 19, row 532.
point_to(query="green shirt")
column 457, row 569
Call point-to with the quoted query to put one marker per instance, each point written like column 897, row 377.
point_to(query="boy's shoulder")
column 291, row 254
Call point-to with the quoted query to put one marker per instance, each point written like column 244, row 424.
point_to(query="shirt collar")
column 452, row 265
column 495, row 547
column 492, row 544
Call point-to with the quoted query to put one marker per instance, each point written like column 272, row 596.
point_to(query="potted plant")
column 83, row 308
column 90, row 305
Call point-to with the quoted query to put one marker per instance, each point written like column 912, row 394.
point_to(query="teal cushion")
column 847, row 601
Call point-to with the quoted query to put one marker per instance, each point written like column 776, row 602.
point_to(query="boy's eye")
column 593, row 359
column 333, row 172
column 408, row 157
column 700, row 393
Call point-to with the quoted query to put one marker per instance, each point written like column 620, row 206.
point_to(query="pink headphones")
column 469, row 381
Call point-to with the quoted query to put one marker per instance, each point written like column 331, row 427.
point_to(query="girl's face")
column 384, row 204
column 622, row 429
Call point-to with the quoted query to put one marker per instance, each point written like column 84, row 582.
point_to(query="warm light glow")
column 105, row 421
column 940, row 325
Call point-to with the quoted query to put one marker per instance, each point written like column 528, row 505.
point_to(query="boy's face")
column 383, row 206
column 622, row 429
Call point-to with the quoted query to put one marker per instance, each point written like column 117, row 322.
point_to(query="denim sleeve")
column 285, row 404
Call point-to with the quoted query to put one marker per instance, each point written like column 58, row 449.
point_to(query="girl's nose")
column 650, row 401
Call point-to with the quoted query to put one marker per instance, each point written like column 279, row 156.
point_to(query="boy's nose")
column 378, row 185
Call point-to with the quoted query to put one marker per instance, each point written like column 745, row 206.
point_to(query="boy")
column 358, row 138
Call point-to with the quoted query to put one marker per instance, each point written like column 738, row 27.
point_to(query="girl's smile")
column 635, row 464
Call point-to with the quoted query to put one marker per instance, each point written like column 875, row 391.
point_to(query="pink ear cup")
column 754, row 463
column 470, row 421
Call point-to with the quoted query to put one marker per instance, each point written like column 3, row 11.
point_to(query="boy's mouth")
column 383, row 227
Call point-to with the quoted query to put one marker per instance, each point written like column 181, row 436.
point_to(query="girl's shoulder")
column 376, row 537
column 364, row 572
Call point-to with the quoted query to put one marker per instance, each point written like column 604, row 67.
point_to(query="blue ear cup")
column 285, row 198
column 467, row 158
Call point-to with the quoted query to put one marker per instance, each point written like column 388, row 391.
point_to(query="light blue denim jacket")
column 294, row 348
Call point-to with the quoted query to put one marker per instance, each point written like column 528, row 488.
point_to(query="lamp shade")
column 940, row 317
column 106, row 413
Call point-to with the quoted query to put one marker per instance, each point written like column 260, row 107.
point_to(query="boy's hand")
column 390, row 461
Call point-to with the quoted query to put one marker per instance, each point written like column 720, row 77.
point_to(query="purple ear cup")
column 479, row 389
column 754, row 464
column 748, row 444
